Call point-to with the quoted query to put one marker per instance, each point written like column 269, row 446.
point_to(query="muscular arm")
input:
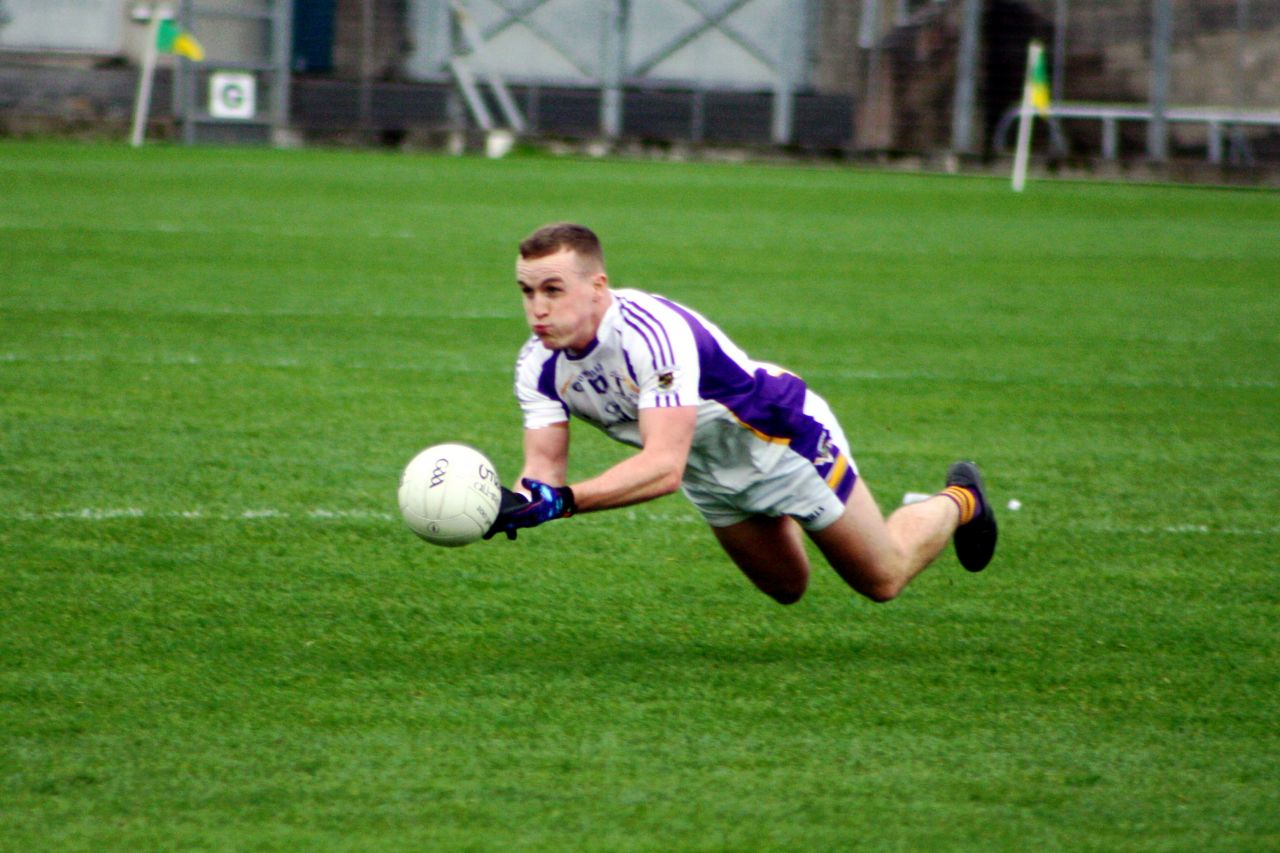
column 546, row 456
column 656, row 470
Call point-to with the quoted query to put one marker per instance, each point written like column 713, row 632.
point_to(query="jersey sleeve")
column 535, row 387
column 662, row 353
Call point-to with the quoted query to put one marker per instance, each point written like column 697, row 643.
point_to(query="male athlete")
column 759, row 454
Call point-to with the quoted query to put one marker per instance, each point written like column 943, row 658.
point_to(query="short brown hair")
column 550, row 239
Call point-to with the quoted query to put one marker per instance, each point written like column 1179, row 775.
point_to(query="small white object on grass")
column 1015, row 504
column 498, row 144
column 915, row 497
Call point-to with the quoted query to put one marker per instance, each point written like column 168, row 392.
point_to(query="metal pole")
column 142, row 102
column 868, row 25
column 1061, row 18
column 786, row 76
column 613, row 67
column 185, row 78
column 1026, row 114
column 1240, row 154
column 1161, row 44
column 966, row 78
column 282, row 46
column 366, row 63
column 868, row 133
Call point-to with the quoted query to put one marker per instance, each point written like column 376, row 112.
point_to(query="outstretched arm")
column 655, row 471
column 667, row 435
column 546, row 456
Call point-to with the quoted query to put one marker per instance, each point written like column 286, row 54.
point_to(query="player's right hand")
column 546, row 503
column 511, row 501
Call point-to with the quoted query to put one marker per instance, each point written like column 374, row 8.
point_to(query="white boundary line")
column 182, row 228
column 95, row 514
column 188, row 360
column 1233, row 382
column 323, row 514
column 192, row 310
column 458, row 365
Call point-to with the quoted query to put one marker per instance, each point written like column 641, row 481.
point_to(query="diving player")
column 758, row 453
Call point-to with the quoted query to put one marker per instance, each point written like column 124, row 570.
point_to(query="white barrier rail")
column 1218, row 121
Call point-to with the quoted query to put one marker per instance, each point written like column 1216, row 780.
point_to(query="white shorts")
column 740, row 474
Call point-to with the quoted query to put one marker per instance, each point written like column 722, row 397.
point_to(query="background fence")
column 1148, row 80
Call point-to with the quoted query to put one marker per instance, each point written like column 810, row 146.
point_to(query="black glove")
column 516, row 512
column 511, row 501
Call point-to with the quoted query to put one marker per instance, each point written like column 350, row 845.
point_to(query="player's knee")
column 784, row 591
column 876, row 583
column 786, row 596
column 881, row 592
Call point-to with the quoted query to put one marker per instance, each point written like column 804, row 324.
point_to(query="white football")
column 449, row 494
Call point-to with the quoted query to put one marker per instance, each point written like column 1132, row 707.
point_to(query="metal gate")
column 689, row 44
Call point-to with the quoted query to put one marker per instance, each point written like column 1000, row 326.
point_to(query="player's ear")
column 600, row 281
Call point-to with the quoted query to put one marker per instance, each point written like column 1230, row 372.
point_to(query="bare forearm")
column 655, row 471
column 639, row 478
column 546, row 457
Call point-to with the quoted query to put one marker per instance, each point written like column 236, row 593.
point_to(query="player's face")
column 564, row 299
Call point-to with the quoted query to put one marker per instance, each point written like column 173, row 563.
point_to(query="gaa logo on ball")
column 449, row 494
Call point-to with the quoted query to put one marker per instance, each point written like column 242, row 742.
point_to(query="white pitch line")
column 96, row 514
column 177, row 228
column 465, row 366
column 322, row 514
column 1231, row 382
column 455, row 365
column 378, row 312
column 1186, row 530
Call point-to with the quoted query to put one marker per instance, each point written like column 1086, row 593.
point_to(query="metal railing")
column 1223, row 126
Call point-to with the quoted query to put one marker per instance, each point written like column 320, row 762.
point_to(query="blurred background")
column 1188, row 89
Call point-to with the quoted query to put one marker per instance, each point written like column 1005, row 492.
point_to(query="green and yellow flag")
column 172, row 38
column 1038, row 79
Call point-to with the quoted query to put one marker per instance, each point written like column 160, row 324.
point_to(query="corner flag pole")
column 142, row 102
column 1026, row 113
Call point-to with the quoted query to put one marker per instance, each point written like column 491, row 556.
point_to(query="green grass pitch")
column 215, row 632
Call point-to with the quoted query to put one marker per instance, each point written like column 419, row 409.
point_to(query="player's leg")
column 878, row 556
column 770, row 552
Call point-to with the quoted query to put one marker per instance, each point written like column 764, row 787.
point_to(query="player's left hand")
column 546, row 503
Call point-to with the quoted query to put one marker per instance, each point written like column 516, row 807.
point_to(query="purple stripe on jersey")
column 659, row 331
column 646, row 333
column 654, row 332
column 644, row 336
column 773, row 405
column 547, row 381
column 626, row 356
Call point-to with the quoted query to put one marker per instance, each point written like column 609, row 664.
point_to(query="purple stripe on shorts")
column 844, row 488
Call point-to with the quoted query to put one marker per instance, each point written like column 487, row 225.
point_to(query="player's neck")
column 599, row 308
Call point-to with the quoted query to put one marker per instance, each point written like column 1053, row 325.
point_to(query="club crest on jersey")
column 825, row 454
column 666, row 380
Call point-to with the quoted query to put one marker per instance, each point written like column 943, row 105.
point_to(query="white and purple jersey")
column 651, row 352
